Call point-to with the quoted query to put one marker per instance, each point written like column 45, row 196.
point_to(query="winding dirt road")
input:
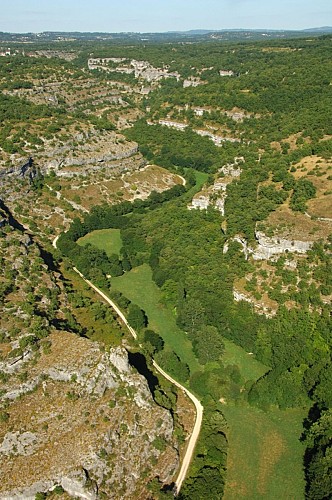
column 194, row 435
column 199, row 408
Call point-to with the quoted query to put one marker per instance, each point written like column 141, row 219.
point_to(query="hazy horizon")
column 160, row 16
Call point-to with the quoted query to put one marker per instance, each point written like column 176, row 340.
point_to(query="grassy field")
column 265, row 455
column 104, row 239
column 137, row 285
column 250, row 368
column 201, row 177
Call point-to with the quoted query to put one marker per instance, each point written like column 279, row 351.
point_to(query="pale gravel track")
column 199, row 408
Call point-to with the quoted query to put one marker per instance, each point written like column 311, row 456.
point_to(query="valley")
column 190, row 184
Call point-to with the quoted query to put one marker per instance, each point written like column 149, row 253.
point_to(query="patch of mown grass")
column 104, row 239
column 265, row 454
column 137, row 285
column 249, row 367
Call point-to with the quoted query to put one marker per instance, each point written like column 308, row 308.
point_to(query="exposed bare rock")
column 119, row 361
column 173, row 124
column 216, row 194
column 140, row 69
column 89, row 422
column 242, row 241
column 233, row 169
column 269, row 247
column 259, row 308
column 15, row 443
column 193, row 81
column 217, row 139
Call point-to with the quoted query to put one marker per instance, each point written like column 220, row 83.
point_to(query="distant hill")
column 191, row 35
column 323, row 29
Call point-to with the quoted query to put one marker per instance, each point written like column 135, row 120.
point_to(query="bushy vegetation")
column 275, row 105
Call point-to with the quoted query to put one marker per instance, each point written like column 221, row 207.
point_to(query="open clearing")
column 137, row 285
column 265, row 454
column 250, row 368
column 104, row 239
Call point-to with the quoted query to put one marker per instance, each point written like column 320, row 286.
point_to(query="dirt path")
column 194, row 435
column 199, row 408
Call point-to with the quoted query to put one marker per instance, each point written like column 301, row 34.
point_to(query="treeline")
column 250, row 198
column 286, row 85
column 196, row 279
column 93, row 262
column 206, row 478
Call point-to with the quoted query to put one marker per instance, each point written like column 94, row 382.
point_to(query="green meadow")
column 104, row 239
column 265, row 454
column 137, row 285
column 250, row 368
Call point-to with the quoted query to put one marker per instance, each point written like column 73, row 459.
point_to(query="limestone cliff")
column 269, row 246
column 87, row 423
column 73, row 414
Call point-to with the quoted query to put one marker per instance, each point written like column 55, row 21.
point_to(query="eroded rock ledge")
column 269, row 246
column 88, row 423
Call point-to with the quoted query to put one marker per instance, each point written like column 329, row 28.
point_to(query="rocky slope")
column 85, row 421
column 72, row 414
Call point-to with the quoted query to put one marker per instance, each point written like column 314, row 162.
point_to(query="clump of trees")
column 208, row 474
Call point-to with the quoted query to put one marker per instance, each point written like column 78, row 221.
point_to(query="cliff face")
column 268, row 247
column 87, row 152
column 87, row 422
column 72, row 414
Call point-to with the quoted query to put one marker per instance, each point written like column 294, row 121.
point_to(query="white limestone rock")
column 269, row 247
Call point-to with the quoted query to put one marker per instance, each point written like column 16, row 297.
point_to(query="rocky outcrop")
column 216, row 194
column 140, row 69
column 172, row 124
column 242, row 241
column 232, row 169
column 192, row 81
column 22, row 169
column 268, row 247
column 259, row 307
column 81, row 155
column 88, row 423
column 103, row 151
column 217, row 139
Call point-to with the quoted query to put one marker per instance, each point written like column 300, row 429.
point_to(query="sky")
column 21, row 16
